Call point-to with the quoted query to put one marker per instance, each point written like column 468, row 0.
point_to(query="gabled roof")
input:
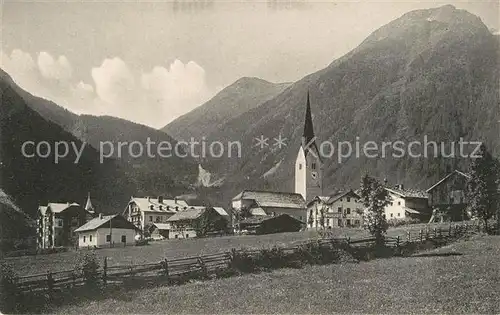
column 221, row 211
column 339, row 195
column 258, row 211
column 56, row 207
column 273, row 199
column 407, row 193
column 103, row 220
column 162, row 226
column 189, row 214
column 261, row 219
column 167, row 205
column 42, row 209
column 467, row 176
column 410, row 210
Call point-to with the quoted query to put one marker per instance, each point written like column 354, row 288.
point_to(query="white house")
column 109, row 230
column 407, row 203
column 143, row 212
column 343, row 209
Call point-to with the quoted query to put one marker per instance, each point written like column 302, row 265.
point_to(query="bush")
column 243, row 261
column 88, row 265
column 273, row 258
column 8, row 288
column 401, row 222
column 315, row 253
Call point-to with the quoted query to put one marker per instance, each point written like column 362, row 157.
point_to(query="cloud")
column 59, row 69
column 156, row 97
column 114, row 81
column 153, row 98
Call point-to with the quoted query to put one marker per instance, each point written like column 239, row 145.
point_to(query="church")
column 308, row 183
column 308, row 165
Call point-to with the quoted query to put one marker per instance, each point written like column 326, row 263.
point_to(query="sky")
column 150, row 62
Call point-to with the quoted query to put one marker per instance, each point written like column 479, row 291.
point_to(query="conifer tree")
column 374, row 198
column 482, row 187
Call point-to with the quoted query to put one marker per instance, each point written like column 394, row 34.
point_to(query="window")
column 348, row 222
column 124, row 238
column 150, row 218
column 356, row 222
column 340, row 209
column 391, row 215
column 176, row 236
column 84, row 238
column 108, row 238
column 392, row 203
column 340, row 199
column 158, row 219
column 90, row 238
column 300, row 218
column 187, row 235
column 348, row 210
column 339, row 222
column 398, row 214
column 399, row 203
column 313, row 166
column 300, row 166
column 59, row 222
column 348, row 199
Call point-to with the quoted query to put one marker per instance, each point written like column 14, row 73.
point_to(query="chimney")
column 175, row 199
column 160, row 199
column 100, row 216
column 385, row 181
column 149, row 199
column 401, row 186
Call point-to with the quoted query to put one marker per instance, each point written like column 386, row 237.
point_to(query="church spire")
column 88, row 206
column 308, row 135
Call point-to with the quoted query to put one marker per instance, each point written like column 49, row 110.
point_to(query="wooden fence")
column 211, row 264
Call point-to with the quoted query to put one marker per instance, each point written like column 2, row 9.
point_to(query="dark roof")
column 261, row 219
column 407, row 193
column 448, row 176
column 189, row 214
column 273, row 199
column 102, row 220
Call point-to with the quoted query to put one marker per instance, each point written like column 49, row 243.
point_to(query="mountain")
column 31, row 181
column 428, row 73
column 234, row 100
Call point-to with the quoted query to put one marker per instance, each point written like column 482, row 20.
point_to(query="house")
column 57, row 222
column 447, row 198
column 265, row 203
column 270, row 224
column 143, row 212
column 407, row 204
column 196, row 221
column 159, row 231
column 107, row 230
column 343, row 209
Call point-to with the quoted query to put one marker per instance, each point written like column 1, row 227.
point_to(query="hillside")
column 430, row 72
column 234, row 100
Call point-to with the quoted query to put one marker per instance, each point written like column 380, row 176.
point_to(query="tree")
column 209, row 221
column 374, row 198
column 482, row 187
column 322, row 217
column 310, row 219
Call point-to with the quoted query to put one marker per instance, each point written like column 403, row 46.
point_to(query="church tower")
column 308, row 165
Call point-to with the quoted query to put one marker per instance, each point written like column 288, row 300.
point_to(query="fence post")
column 73, row 277
column 440, row 233
column 105, row 269
column 408, row 237
column 420, row 234
column 50, row 283
column 165, row 267
column 202, row 266
column 435, row 232
column 397, row 241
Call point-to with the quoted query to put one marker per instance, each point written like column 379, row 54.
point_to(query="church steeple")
column 88, row 206
column 308, row 134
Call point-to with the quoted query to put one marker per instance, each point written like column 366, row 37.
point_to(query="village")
column 148, row 218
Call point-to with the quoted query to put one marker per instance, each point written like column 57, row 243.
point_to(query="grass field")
column 460, row 278
column 160, row 250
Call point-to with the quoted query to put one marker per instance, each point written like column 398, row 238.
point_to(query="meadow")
column 175, row 248
column 459, row 278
